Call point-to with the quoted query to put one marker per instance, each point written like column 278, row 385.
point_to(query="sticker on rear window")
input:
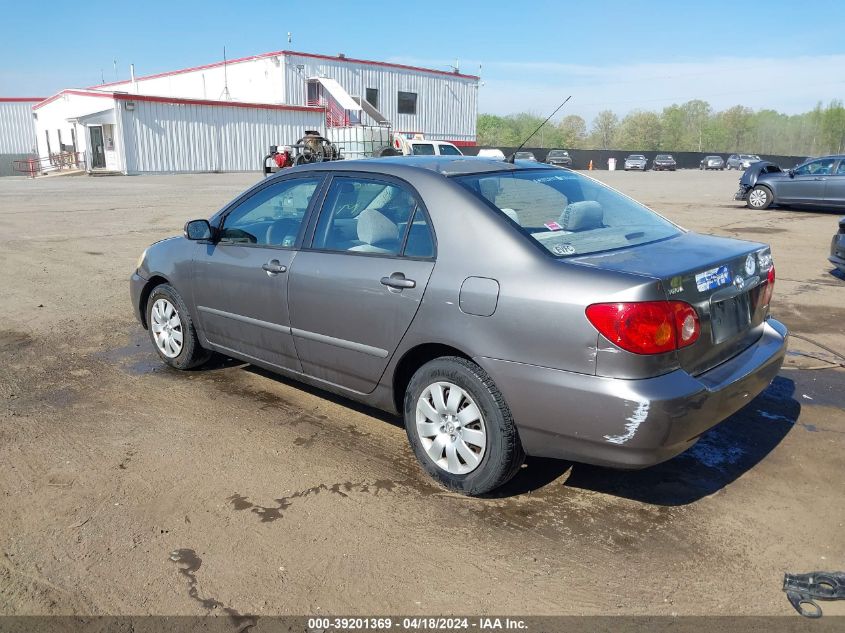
column 553, row 226
column 564, row 249
column 713, row 278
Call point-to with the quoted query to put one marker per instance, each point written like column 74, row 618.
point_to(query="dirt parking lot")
column 284, row 500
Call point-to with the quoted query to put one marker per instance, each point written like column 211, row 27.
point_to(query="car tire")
column 167, row 320
column 759, row 198
column 501, row 453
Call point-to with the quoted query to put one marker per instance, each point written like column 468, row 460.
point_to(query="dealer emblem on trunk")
column 750, row 265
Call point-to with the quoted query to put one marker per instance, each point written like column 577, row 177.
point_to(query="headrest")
column 582, row 216
column 489, row 188
column 375, row 227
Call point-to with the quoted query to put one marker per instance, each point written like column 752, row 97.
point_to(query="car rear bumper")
column 631, row 423
column 136, row 288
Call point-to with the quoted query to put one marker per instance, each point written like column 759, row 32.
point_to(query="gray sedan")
column 819, row 182
column 636, row 162
column 502, row 309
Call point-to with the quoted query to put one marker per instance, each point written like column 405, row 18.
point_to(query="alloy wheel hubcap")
column 167, row 328
column 451, row 428
column 757, row 198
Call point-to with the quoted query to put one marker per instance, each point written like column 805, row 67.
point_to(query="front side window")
column 820, row 167
column 449, row 150
column 407, row 102
column 422, row 149
column 365, row 216
column 272, row 216
column 567, row 213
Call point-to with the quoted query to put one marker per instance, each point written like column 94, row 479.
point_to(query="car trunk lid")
column 721, row 278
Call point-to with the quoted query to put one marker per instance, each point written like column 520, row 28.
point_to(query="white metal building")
column 17, row 131
column 438, row 103
column 224, row 116
column 137, row 134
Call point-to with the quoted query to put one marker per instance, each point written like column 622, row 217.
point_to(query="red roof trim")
column 122, row 96
column 21, row 99
column 84, row 93
column 285, row 53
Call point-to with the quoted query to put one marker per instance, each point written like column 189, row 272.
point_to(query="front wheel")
column 460, row 428
column 172, row 330
column 759, row 198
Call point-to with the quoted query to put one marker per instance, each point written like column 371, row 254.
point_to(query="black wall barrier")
column 581, row 157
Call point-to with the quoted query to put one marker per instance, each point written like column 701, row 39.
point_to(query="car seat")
column 378, row 233
column 582, row 216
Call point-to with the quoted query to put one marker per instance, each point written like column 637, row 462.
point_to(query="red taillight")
column 646, row 327
column 768, row 288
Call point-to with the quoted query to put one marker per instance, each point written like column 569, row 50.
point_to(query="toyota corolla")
column 502, row 309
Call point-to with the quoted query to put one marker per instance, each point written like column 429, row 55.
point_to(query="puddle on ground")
column 189, row 564
column 268, row 514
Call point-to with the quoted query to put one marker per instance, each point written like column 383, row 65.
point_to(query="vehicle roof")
column 444, row 165
column 429, row 141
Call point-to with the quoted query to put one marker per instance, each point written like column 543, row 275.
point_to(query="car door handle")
column 398, row 281
column 274, row 267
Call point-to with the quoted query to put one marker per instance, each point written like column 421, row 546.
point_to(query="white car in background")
column 495, row 154
column 741, row 161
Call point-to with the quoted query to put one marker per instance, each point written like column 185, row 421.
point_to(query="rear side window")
column 448, row 150
column 364, row 216
column 569, row 214
column 420, row 242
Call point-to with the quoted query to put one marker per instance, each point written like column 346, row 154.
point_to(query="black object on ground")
column 801, row 589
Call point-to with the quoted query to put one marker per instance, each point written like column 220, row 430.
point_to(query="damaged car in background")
column 819, row 182
column 501, row 309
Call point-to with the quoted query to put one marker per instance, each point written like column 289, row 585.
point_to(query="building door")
column 98, row 153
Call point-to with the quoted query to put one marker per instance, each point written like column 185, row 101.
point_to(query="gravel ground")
column 284, row 500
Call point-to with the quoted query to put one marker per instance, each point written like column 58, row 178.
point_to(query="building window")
column 407, row 102
column 372, row 97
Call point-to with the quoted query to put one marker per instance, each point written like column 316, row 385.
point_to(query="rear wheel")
column 759, row 198
column 172, row 330
column 460, row 427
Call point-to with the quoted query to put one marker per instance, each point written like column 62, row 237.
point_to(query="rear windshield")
column 636, row 157
column 664, row 157
column 555, row 153
column 569, row 214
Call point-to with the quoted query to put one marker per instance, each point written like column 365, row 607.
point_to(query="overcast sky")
column 620, row 55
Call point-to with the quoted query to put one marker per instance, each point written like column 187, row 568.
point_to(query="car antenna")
column 511, row 158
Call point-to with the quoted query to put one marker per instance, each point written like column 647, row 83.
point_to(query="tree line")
column 692, row 127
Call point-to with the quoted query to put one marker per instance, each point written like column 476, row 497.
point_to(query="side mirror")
column 198, row 230
column 791, row 173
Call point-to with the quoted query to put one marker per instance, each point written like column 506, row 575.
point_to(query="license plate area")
column 730, row 317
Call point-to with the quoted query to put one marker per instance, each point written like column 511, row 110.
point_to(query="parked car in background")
column 741, row 161
column 525, row 156
column 664, row 162
column 406, row 283
column 816, row 183
column 559, row 158
column 837, row 247
column 636, row 161
column 495, row 154
column 413, row 147
column 712, row 162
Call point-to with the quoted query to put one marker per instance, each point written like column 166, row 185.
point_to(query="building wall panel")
column 179, row 138
column 17, row 127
